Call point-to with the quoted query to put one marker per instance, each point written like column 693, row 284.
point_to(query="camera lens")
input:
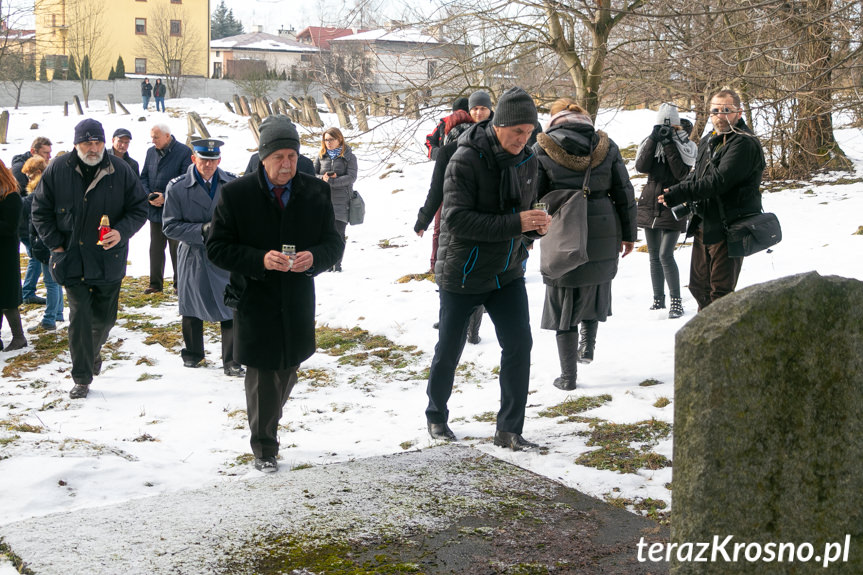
column 665, row 132
column 680, row 212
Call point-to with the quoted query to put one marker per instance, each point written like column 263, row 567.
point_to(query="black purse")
column 750, row 234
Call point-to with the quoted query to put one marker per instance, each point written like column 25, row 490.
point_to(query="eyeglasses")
column 331, row 139
column 723, row 110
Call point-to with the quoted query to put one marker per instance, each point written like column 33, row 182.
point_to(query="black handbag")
column 750, row 234
column 356, row 209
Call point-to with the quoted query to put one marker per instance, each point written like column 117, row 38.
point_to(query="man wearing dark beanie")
column 88, row 261
column 489, row 188
column 274, row 230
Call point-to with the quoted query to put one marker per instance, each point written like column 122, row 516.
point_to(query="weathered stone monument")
column 768, row 438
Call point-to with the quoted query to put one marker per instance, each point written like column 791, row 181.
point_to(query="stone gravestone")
column 768, row 430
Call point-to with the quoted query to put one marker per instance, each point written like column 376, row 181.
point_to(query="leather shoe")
column 152, row 289
column 513, row 441
column 35, row 299
column 441, row 431
column 79, row 391
column 234, row 371
column 266, row 464
column 190, row 363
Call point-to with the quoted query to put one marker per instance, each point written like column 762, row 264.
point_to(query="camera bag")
column 751, row 234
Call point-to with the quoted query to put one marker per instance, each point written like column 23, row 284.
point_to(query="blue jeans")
column 160, row 102
column 146, row 100
column 31, row 278
column 54, row 304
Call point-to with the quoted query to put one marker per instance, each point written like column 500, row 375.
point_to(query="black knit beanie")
column 277, row 133
column 460, row 104
column 514, row 107
column 479, row 98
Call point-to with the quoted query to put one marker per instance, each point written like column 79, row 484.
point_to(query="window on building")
column 217, row 70
column 218, row 54
column 174, row 67
column 140, row 65
column 141, row 26
column 176, row 28
column 432, row 68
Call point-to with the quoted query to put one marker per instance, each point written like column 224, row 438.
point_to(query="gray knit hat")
column 479, row 98
column 514, row 107
column 277, row 133
column 667, row 112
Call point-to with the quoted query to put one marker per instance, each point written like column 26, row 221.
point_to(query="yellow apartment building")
column 157, row 37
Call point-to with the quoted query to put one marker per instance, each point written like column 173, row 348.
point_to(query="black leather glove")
column 205, row 230
column 654, row 135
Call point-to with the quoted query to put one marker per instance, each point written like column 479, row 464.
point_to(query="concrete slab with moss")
column 447, row 509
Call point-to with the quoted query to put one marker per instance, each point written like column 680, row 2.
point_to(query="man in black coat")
column 120, row 148
column 166, row 160
column 274, row 230
column 489, row 188
column 724, row 186
column 77, row 191
column 41, row 146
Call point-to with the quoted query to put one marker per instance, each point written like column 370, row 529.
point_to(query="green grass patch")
column 316, row 377
column 648, row 432
column 407, row 444
column 376, row 351
column 622, row 458
column 132, row 293
column 650, row 382
column 859, row 232
column 43, row 350
column 487, row 417
column 4, row 441
column 616, row 451
column 572, row 406
column 649, row 507
column 629, row 152
column 148, row 376
column 661, row 402
column 301, row 466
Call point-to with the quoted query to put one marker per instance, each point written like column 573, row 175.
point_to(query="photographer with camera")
column 724, row 186
column 666, row 156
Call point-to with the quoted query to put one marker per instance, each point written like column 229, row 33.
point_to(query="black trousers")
column 341, row 227
column 193, row 338
column 712, row 274
column 158, row 241
column 92, row 314
column 267, row 391
column 507, row 307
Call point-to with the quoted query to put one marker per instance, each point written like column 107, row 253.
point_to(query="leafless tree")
column 85, row 39
column 172, row 42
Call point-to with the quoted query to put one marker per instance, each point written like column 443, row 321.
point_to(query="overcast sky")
column 275, row 14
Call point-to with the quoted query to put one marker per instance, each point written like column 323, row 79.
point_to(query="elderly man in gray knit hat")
column 489, row 190
column 274, row 230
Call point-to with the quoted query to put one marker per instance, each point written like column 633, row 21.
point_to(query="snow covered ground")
column 153, row 429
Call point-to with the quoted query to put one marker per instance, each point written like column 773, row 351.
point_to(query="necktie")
column 278, row 190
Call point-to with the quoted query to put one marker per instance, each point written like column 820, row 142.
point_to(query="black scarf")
column 509, row 198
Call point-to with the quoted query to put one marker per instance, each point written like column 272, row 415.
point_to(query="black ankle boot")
column 658, row 302
column 676, row 309
column 588, row 340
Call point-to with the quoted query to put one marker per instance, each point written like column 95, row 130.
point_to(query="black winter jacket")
column 128, row 159
column 159, row 169
column 67, row 215
column 611, row 208
column 660, row 175
column 434, row 198
column 275, row 318
column 481, row 245
column 729, row 166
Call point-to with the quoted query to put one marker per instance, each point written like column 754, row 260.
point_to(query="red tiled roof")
column 320, row 36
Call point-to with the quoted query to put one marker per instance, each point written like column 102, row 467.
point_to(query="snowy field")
column 147, row 430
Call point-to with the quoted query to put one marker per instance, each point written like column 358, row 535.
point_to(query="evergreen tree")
column 223, row 23
column 112, row 74
column 121, row 68
column 43, row 70
column 86, row 72
column 72, row 74
column 58, row 69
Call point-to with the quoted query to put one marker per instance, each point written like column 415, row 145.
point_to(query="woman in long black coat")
column 666, row 156
column 10, row 262
column 583, row 295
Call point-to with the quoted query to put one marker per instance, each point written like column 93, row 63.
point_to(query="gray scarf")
column 687, row 148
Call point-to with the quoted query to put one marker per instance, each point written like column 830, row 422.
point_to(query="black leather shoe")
column 79, row 391
column 266, row 464
column 35, row 299
column 235, row 371
column 514, row 441
column 441, row 431
column 190, row 363
column 152, row 289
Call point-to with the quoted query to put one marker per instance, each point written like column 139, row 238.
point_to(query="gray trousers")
column 267, row 391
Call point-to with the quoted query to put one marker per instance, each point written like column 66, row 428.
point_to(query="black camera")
column 681, row 211
column 153, row 196
column 665, row 131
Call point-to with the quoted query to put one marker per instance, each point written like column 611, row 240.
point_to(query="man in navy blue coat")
column 166, row 160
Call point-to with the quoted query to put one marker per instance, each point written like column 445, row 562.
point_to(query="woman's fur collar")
column 567, row 160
